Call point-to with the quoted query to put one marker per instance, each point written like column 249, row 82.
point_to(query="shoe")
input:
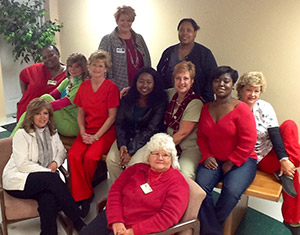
column 294, row 230
column 85, row 206
column 287, row 183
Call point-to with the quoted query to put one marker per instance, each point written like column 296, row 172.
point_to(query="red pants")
column 83, row 160
column 270, row 164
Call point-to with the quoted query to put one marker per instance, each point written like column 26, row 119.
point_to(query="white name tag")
column 120, row 50
column 146, row 188
column 51, row 82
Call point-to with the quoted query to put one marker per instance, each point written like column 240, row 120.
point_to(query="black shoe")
column 287, row 183
column 294, row 230
column 85, row 206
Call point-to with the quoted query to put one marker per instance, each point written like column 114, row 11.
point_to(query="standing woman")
column 189, row 50
column 127, row 49
column 97, row 100
column 31, row 170
column 226, row 138
column 182, row 117
column 40, row 78
column 277, row 149
column 140, row 116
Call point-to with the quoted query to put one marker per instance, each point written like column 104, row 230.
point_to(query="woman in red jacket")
column 226, row 138
column 146, row 198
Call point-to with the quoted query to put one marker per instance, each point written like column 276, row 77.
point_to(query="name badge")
column 146, row 188
column 120, row 50
column 51, row 82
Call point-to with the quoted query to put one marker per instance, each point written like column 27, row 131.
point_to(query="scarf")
column 72, row 83
column 44, row 143
column 173, row 120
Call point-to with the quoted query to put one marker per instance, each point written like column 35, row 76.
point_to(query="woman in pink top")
column 226, row 138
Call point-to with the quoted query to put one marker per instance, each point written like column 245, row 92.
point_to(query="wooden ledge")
column 264, row 186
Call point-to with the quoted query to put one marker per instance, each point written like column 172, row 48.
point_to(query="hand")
column 118, row 228
column 227, row 166
column 287, row 168
column 53, row 166
column 124, row 92
column 211, row 163
column 125, row 160
column 129, row 232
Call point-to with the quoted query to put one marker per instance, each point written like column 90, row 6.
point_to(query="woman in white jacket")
column 31, row 172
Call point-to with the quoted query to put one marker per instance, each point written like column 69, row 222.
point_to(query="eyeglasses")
column 164, row 155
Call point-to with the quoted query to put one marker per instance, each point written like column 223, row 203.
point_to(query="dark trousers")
column 51, row 194
column 97, row 226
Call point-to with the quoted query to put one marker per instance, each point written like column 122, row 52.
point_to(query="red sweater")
column 152, row 212
column 233, row 137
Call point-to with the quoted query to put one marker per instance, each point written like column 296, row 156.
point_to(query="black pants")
column 51, row 194
column 97, row 226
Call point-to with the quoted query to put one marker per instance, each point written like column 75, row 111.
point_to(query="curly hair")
column 256, row 79
column 125, row 10
column 101, row 55
column 157, row 95
column 34, row 107
column 80, row 60
column 162, row 141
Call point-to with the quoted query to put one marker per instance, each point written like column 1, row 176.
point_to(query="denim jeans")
column 235, row 183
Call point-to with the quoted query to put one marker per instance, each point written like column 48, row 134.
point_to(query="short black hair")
column 192, row 21
column 51, row 47
column 217, row 72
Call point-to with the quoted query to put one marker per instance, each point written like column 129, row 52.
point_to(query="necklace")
column 137, row 60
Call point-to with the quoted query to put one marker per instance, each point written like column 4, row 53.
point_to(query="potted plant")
column 24, row 26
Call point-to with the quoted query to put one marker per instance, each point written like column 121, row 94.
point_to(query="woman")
column 61, row 98
column 277, row 148
column 145, row 198
column 97, row 100
column 189, row 50
column 31, row 172
column 182, row 117
column 226, row 138
column 140, row 115
column 40, row 78
column 127, row 49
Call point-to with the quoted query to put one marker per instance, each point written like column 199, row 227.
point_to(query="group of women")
column 216, row 136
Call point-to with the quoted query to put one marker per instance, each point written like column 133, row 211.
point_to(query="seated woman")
column 31, row 170
column 145, row 198
column 61, row 99
column 140, row 115
column 277, row 148
column 182, row 117
column 97, row 100
column 40, row 78
column 226, row 138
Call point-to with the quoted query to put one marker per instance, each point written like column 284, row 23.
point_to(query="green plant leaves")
column 24, row 26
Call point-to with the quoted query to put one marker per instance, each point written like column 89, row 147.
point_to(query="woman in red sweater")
column 226, row 138
column 146, row 198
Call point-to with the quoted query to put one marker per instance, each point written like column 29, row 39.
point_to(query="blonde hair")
column 101, row 55
column 256, row 79
column 35, row 106
column 162, row 141
column 125, row 10
column 185, row 66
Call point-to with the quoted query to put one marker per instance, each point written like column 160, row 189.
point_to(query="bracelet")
column 95, row 137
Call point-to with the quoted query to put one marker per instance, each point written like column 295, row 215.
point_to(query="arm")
column 104, row 44
column 60, row 154
column 246, row 134
column 21, row 153
column 209, row 64
column 55, row 93
column 186, row 127
column 60, row 103
column 81, row 124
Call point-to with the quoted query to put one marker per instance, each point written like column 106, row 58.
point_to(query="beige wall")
column 247, row 35
column 2, row 103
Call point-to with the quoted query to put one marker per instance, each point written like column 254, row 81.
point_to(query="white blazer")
column 24, row 159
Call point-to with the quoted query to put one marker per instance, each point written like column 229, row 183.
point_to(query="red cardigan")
column 233, row 137
column 147, row 213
